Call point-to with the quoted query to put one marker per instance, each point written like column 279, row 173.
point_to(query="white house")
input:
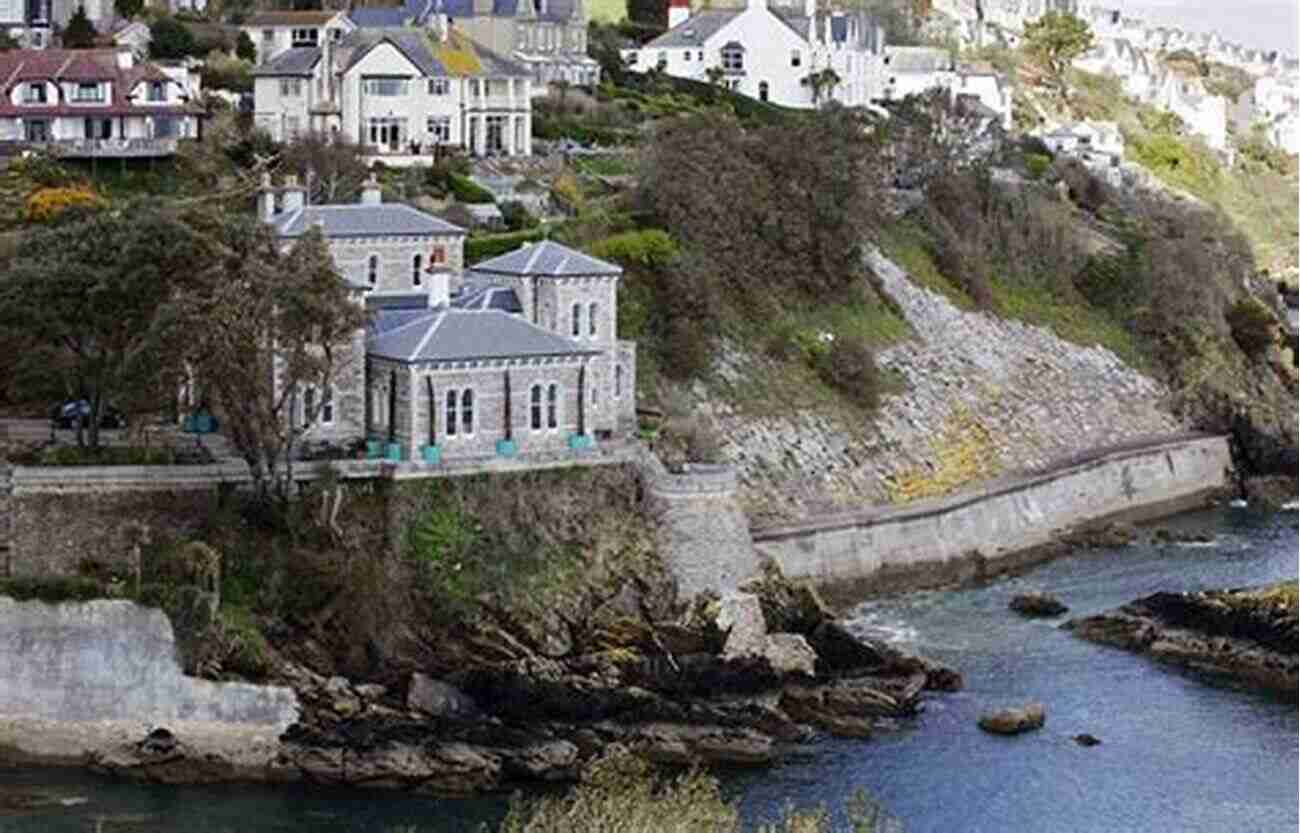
column 1284, row 132
column 96, row 103
column 910, row 70
column 791, row 56
column 275, row 32
column 1086, row 138
column 1205, row 115
column 401, row 93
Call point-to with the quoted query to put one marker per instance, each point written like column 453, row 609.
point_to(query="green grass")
column 607, row 11
column 905, row 243
column 613, row 165
column 1073, row 322
column 52, row 589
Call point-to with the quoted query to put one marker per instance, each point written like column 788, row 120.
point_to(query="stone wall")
column 983, row 397
column 942, row 540
column 116, row 660
column 700, row 528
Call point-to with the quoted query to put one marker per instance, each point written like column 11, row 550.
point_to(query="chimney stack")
column 679, row 11
column 266, row 199
column 294, row 195
column 370, row 193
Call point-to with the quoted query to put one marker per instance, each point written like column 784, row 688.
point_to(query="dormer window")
column 88, row 92
column 304, row 37
column 34, row 93
column 156, row 92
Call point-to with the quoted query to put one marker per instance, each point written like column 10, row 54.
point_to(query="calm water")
column 1176, row 754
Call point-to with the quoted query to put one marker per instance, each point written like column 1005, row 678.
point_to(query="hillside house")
column 1205, row 115
column 35, row 24
column 276, row 32
column 400, row 93
column 772, row 53
column 96, row 103
column 518, row 356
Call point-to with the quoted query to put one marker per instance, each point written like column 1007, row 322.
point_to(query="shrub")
column 1253, row 325
column 849, row 366
column 482, row 247
column 46, row 204
column 517, row 216
column 169, row 39
column 52, row 589
column 466, row 190
column 568, row 194
column 645, row 247
column 1037, row 164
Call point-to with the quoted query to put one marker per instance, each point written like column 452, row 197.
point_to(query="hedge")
column 467, row 191
column 481, row 248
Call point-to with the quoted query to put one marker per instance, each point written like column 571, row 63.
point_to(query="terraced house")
column 96, row 103
column 517, row 356
column 399, row 92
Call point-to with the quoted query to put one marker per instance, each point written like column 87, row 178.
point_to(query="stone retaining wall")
column 930, row 542
column 116, row 660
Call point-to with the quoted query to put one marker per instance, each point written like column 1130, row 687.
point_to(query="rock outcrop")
column 1249, row 637
column 1037, row 604
column 1015, row 721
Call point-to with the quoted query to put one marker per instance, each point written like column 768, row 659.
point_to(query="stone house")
column 773, row 53
column 517, row 356
column 400, row 93
column 96, row 103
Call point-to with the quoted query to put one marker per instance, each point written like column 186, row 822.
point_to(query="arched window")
column 451, row 414
column 762, row 91
column 416, row 263
column 467, row 411
column 552, row 406
column 535, row 400
column 577, row 320
column 618, row 380
column 591, row 319
column 372, row 270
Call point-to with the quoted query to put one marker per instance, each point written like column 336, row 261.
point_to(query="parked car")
column 67, row 413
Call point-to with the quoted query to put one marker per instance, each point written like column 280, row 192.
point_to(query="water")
column 1177, row 754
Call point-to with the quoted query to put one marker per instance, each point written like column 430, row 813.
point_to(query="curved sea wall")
column 937, row 541
column 113, row 660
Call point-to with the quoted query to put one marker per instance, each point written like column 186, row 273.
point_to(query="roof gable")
column 450, row 334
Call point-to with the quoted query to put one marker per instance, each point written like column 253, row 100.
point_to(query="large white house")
column 772, row 53
column 275, row 32
column 96, row 102
column 401, row 93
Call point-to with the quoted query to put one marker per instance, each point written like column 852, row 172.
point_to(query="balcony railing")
column 110, row 148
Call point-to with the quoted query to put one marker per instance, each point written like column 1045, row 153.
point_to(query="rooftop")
column 361, row 220
column 451, row 334
column 546, row 258
column 457, row 57
column 306, row 18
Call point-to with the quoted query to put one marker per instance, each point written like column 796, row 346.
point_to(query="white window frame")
column 304, row 37
column 733, row 59
column 438, row 128
column 88, row 92
column 593, row 310
column 35, row 93
column 290, row 88
column 374, row 268
column 439, row 86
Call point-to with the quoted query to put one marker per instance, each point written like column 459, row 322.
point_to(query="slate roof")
column 298, row 60
column 547, row 259
column 696, row 29
column 358, row 220
column 370, row 18
column 488, row 297
column 448, row 334
column 458, row 57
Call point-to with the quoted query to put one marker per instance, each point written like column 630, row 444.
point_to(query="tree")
column 648, row 12
column 266, row 327
column 80, row 32
column 8, row 42
column 245, row 49
column 95, row 289
column 128, row 9
column 170, row 40
column 821, row 80
column 330, row 166
column 932, row 134
column 1055, row 40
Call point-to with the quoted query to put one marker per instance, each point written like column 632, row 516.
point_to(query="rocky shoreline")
column 1248, row 637
column 739, row 681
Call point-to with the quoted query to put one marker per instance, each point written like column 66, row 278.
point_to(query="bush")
column 849, row 366
column 46, row 204
column 482, row 247
column 646, row 247
column 169, row 39
column 1253, row 325
column 517, row 217
column 220, row 72
column 52, row 589
column 1037, row 164
column 466, row 190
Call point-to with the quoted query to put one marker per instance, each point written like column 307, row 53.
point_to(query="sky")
column 1262, row 24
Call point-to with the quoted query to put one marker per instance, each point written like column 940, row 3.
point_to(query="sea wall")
column 113, row 660
column 928, row 542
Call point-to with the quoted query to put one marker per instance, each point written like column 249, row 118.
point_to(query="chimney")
column 294, row 195
column 679, row 11
column 370, row 193
column 266, row 199
column 439, row 283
